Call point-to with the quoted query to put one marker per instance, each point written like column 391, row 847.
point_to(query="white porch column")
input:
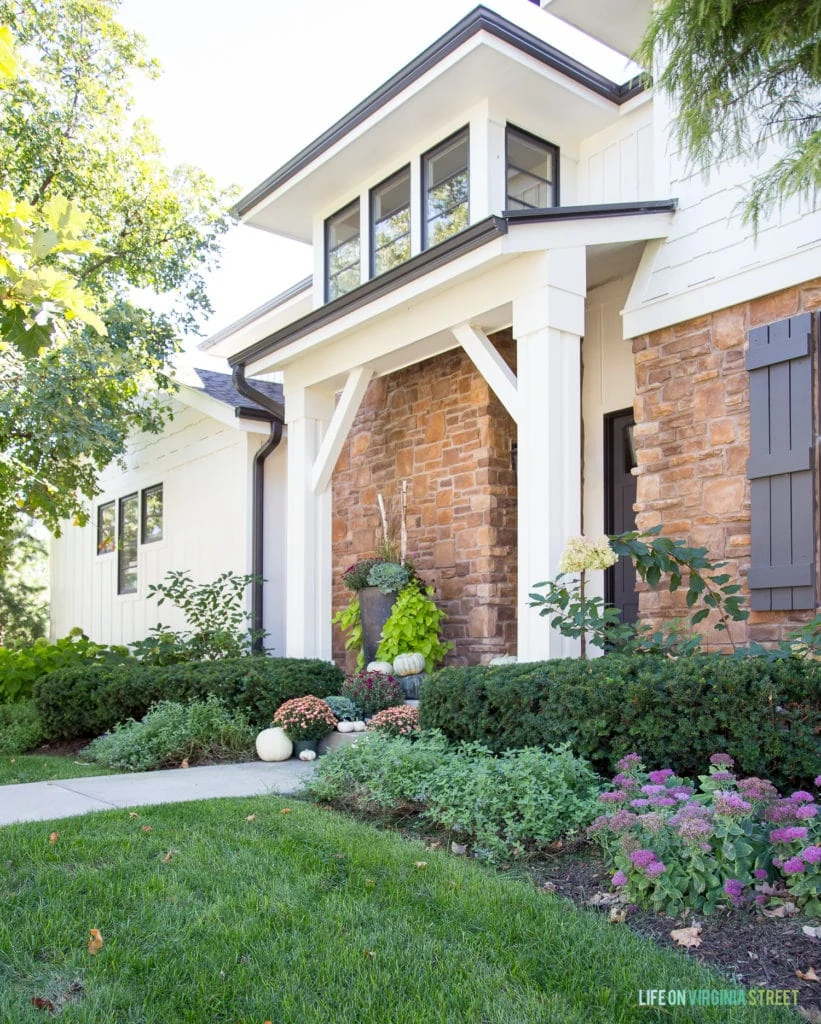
column 548, row 324
column 308, row 569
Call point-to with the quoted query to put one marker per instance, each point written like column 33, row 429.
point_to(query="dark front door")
column 619, row 517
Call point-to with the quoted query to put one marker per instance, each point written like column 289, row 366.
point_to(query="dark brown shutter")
column 781, row 465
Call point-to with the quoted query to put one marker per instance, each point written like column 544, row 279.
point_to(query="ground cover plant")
column 308, row 916
column 171, row 734
column 504, row 806
column 728, row 842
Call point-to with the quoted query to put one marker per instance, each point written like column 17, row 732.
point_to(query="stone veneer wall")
column 692, row 443
column 438, row 426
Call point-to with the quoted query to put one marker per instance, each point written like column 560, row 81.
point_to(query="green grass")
column 45, row 768
column 303, row 918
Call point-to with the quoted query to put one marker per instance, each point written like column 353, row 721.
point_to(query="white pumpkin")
column 345, row 726
column 409, row 664
column 307, row 755
column 384, row 667
column 274, row 745
column 358, row 726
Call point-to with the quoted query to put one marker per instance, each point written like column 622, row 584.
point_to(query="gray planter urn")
column 375, row 609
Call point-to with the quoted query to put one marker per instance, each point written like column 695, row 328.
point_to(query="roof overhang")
column 483, row 248
column 282, row 309
column 442, row 83
column 619, row 24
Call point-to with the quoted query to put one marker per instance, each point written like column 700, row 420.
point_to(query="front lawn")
column 261, row 909
column 46, row 768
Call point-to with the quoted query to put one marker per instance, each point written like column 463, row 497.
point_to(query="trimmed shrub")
column 20, row 728
column 201, row 732
column 764, row 713
column 86, row 702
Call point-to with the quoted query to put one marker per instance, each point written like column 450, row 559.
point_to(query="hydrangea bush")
column 402, row 720
column 730, row 842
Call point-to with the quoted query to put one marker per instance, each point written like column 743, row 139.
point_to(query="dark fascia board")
column 595, row 210
column 465, row 241
column 478, row 20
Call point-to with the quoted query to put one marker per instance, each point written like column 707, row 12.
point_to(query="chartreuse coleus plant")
column 413, row 626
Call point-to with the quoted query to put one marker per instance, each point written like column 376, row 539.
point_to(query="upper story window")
column 532, row 171
column 342, row 251
column 390, row 222
column 446, row 189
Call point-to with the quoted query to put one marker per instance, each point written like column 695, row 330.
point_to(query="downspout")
column 242, row 386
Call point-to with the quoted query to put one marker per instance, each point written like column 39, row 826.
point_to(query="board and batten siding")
column 616, row 165
column 204, row 467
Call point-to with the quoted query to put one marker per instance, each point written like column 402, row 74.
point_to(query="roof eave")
column 479, row 19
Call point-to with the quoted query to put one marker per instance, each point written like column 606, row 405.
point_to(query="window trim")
column 144, row 539
column 406, row 169
column 424, row 158
column 120, row 502
column 327, row 254
column 100, row 508
column 510, row 127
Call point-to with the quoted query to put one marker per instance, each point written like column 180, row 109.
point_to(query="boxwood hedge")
column 673, row 712
column 81, row 702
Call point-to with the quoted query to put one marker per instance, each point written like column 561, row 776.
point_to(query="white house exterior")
column 199, row 475
column 526, row 306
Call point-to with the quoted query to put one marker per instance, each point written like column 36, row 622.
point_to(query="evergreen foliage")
column 744, row 76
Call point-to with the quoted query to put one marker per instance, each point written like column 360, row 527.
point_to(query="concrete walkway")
column 40, row 801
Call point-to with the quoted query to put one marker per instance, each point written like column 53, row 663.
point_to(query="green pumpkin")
column 408, row 664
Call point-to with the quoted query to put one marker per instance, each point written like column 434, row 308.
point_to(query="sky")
column 247, row 84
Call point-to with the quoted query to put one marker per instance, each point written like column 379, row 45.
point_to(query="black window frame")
column 530, row 137
column 425, row 159
column 101, row 509
column 372, row 224
column 144, row 537
column 122, row 566
column 328, row 221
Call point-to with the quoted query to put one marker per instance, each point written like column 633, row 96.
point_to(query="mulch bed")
column 753, row 951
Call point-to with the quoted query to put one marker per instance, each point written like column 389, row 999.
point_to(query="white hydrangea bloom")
column 582, row 553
